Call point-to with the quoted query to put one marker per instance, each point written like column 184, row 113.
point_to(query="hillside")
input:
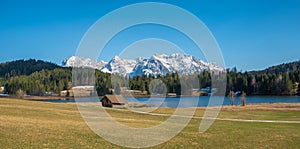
column 282, row 68
column 24, row 67
column 282, row 79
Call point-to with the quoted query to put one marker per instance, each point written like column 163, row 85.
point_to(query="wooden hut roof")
column 115, row 99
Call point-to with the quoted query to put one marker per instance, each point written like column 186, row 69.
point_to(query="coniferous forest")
column 36, row 77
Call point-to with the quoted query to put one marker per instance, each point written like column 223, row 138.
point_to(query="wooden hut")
column 113, row 101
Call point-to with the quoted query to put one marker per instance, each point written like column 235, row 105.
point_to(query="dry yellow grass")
column 32, row 124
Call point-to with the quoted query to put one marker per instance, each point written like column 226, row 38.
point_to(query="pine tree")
column 286, row 84
column 298, row 89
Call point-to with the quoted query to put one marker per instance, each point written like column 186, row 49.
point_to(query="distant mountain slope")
column 24, row 67
column 75, row 61
column 285, row 67
column 120, row 66
column 158, row 64
column 167, row 64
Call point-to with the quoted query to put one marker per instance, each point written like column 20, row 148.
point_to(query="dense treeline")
column 24, row 67
column 286, row 83
column 52, row 82
column 40, row 83
column 281, row 80
column 171, row 83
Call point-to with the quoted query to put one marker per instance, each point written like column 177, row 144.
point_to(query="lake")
column 201, row 101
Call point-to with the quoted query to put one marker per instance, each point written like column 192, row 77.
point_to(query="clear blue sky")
column 252, row 34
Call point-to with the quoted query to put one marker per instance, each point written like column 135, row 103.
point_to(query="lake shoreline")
column 134, row 96
column 281, row 106
column 177, row 101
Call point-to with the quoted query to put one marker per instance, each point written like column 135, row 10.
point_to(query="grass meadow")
column 33, row 124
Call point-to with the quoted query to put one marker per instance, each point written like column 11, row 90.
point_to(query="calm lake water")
column 201, row 101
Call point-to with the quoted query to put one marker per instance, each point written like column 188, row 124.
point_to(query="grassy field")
column 33, row 124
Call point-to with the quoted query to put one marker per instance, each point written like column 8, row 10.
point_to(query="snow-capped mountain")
column 81, row 62
column 157, row 64
column 119, row 66
column 167, row 64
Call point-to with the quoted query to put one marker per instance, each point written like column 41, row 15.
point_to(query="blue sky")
column 252, row 34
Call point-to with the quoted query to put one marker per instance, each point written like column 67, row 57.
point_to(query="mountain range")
column 157, row 64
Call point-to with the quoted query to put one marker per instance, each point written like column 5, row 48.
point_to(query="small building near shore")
column 2, row 89
column 171, row 94
column 67, row 93
column 113, row 101
column 84, row 91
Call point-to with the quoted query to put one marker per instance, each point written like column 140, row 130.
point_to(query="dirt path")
column 273, row 107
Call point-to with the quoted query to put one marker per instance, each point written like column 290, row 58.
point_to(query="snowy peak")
column 81, row 62
column 181, row 63
column 158, row 64
column 119, row 66
column 117, row 58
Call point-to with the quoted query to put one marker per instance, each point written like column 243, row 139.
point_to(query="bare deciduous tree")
column 20, row 93
column 243, row 98
column 231, row 95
